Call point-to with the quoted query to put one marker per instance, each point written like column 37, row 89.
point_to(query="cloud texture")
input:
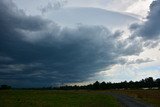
column 37, row 52
column 149, row 30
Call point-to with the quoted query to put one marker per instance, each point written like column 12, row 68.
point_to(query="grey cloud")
column 151, row 43
column 130, row 46
column 54, row 5
column 123, row 61
column 134, row 26
column 18, row 67
column 150, row 28
column 139, row 61
column 11, row 17
column 5, row 59
column 44, row 53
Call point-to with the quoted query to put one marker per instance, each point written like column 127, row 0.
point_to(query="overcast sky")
column 57, row 42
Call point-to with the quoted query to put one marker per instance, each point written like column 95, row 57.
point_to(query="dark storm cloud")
column 151, row 28
column 13, row 18
column 44, row 53
column 5, row 59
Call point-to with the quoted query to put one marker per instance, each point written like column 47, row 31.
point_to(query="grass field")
column 150, row 96
column 21, row 98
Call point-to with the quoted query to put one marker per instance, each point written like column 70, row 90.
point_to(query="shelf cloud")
column 35, row 51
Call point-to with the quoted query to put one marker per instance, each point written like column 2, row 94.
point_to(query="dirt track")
column 127, row 101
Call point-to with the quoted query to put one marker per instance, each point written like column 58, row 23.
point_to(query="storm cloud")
column 150, row 29
column 37, row 52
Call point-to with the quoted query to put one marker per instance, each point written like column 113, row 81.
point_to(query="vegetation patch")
column 40, row 98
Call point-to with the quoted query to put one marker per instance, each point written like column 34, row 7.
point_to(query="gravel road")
column 127, row 101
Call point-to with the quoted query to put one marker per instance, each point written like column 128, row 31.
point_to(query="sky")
column 58, row 42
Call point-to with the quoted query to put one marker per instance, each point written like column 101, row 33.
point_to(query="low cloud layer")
column 37, row 52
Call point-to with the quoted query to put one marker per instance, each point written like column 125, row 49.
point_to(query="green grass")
column 22, row 98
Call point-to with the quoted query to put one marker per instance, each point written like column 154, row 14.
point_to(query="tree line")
column 148, row 83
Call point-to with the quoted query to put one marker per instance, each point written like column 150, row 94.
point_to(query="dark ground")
column 128, row 101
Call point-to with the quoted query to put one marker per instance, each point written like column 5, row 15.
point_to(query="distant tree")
column 149, row 82
column 5, row 87
column 131, row 84
column 103, row 85
column 144, row 83
column 96, row 85
column 157, row 82
column 90, row 86
column 109, row 85
column 125, row 84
